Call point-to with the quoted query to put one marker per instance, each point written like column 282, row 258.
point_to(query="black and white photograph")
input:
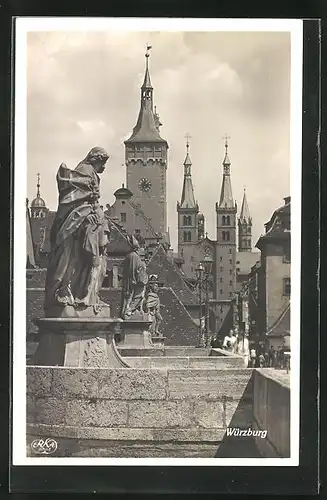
column 157, row 178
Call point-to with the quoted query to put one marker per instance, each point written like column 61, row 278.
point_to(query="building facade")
column 274, row 278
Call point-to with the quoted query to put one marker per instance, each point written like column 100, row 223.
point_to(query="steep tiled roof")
column 171, row 276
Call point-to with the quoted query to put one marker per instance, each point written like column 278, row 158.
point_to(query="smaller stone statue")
column 135, row 279
column 152, row 305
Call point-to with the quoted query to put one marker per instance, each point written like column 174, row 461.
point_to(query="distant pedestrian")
column 230, row 341
column 253, row 357
column 261, row 361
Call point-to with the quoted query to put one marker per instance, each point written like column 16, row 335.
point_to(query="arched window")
column 224, row 220
column 187, row 220
column 187, row 235
column 228, row 220
column 226, row 236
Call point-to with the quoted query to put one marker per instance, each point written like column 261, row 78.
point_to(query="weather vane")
column 187, row 137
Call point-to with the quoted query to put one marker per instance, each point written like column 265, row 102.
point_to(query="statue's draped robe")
column 135, row 279
column 76, row 265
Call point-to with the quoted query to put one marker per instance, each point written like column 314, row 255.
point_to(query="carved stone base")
column 136, row 334
column 158, row 340
column 101, row 310
column 78, row 342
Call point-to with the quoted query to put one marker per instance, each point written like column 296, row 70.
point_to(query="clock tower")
column 146, row 160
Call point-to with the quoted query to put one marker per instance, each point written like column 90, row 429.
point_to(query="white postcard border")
column 23, row 26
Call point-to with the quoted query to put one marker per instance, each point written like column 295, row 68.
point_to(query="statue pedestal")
column 158, row 341
column 78, row 342
column 136, row 334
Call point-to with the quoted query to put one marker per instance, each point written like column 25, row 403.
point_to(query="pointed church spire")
column 226, row 161
column 245, row 212
column 226, row 195
column 147, row 79
column 148, row 122
column 187, row 199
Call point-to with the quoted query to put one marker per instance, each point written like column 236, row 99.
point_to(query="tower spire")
column 38, row 186
column 245, row 227
column 147, row 80
column 148, row 122
column 187, row 199
column 245, row 212
column 226, row 195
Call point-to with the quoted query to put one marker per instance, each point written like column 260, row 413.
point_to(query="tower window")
column 226, row 220
column 221, row 268
column 221, row 280
column 231, row 283
column 187, row 220
column 226, row 236
column 187, row 235
column 221, row 291
column 287, row 287
column 231, row 261
column 122, row 217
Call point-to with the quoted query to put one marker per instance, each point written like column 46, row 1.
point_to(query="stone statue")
column 79, row 234
column 152, row 305
column 135, row 279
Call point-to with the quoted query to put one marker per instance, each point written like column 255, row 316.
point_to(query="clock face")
column 145, row 184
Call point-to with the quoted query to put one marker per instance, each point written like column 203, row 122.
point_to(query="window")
column 231, row 271
column 228, row 220
column 221, row 280
column 287, row 287
column 221, row 268
column 230, row 294
column 230, row 283
column 231, row 261
column 230, row 250
column 122, row 217
column 187, row 220
column 137, row 231
column 224, row 220
column 187, row 235
column 221, row 291
column 221, row 258
column 226, row 236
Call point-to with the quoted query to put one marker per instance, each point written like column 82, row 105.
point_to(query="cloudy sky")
column 84, row 90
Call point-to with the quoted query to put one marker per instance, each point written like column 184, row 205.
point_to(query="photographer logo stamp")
column 44, row 446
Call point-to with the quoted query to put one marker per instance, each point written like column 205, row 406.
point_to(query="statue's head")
column 98, row 158
column 153, row 282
